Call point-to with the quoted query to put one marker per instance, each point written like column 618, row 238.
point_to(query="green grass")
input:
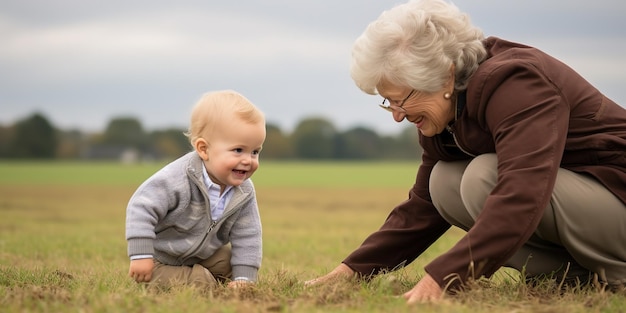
column 337, row 174
column 62, row 246
column 270, row 173
column 74, row 173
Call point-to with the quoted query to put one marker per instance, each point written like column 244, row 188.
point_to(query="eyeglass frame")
column 393, row 108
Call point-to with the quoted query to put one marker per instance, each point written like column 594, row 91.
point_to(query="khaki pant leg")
column 171, row 276
column 539, row 256
column 445, row 182
column 569, row 234
column 590, row 222
column 219, row 264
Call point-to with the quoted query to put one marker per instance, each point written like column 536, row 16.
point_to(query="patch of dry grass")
column 62, row 249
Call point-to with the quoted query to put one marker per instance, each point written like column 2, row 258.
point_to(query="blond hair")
column 215, row 108
column 414, row 45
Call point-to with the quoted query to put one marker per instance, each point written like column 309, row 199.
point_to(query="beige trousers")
column 203, row 275
column 582, row 232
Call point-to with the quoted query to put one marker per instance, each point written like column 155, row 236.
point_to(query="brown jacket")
column 537, row 115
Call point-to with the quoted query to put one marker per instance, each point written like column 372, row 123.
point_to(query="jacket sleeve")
column 246, row 241
column 410, row 228
column 528, row 121
column 150, row 203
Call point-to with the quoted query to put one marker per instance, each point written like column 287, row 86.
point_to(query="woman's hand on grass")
column 426, row 290
column 340, row 272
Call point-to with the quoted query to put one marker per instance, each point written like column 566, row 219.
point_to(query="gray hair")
column 414, row 44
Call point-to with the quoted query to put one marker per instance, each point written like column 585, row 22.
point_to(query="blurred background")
column 117, row 79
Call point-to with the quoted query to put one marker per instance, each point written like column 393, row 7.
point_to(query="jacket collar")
column 460, row 104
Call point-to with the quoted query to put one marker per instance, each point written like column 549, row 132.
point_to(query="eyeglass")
column 397, row 108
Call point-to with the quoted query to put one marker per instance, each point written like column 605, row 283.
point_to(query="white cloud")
column 180, row 40
column 85, row 62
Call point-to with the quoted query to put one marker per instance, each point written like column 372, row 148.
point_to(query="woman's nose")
column 398, row 116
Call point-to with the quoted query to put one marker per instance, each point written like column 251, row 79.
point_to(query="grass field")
column 62, row 246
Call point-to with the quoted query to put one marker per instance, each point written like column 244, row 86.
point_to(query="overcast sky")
column 82, row 63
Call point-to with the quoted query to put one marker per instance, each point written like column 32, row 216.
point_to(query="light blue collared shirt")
column 218, row 202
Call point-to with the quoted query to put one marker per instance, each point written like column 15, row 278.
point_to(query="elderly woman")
column 520, row 151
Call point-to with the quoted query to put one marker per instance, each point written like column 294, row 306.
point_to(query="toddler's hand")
column 141, row 270
column 238, row 284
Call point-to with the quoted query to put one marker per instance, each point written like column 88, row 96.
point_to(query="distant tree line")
column 124, row 138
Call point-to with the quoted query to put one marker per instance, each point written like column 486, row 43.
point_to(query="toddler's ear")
column 202, row 148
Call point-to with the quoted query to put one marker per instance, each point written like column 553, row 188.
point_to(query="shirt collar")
column 210, row 184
